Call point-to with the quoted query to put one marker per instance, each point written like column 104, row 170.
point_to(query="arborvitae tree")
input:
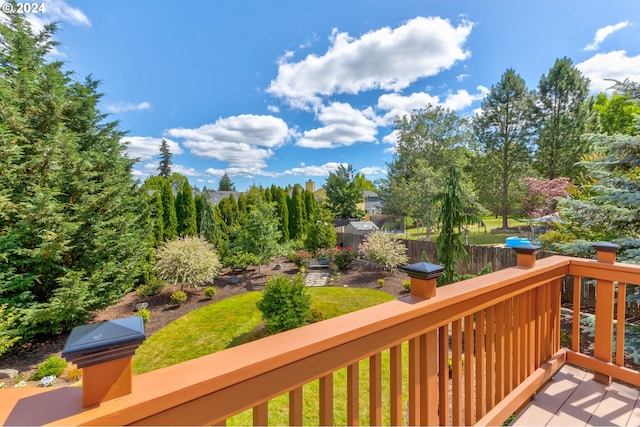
column 242, row 204
column 74, row 226
column 503, row 130
column 225, row 184
column 562, row 113
column 186, row 211
column 157, row 218
column 283, row 213
column 228, row 210
column 169, row 210
column 295, row 206
column 199, row 200
column 311, row 207
column 164, row 168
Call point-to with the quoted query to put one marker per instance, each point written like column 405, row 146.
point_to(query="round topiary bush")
column 209, row 292
column 178, row 297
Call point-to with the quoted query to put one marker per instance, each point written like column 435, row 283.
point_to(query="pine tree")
column 157, row 218
column 73, row 235
column 503, row 130
column 562, row 113
column 165, row 160
column 225, row 184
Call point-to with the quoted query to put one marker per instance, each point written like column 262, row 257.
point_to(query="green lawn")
column 228, row 322
column 476, row 235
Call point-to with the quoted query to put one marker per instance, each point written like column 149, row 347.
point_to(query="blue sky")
column 279, row 92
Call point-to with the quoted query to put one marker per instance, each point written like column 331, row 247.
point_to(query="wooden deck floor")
column 572, row 398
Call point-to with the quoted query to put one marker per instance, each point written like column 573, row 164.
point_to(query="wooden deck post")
column 526, row 255
column 423, row 278
column 104, row 351
column 603, row 341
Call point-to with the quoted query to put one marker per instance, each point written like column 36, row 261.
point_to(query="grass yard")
column 229, row 322
column 476, row 235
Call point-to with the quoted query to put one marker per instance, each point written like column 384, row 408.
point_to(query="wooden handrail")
column 510, row 314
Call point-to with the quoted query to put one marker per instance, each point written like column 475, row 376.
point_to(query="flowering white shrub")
column 383, row 249
column 21, row 384
column 48, row 381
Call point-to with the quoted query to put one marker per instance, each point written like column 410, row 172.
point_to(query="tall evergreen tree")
column 157, row 214
column 186, row 211
column 504, row 133
column 168, row 210
column 295, row 205
column 562, row 113
column 73, row 236
column 454, row 218
column 225, row 184
column 164, row 168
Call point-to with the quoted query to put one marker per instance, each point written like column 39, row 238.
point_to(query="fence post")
column 526, row 255
column 603, row 341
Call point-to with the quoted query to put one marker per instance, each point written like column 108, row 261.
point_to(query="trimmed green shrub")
column 384, row 250
column 209, row 292
column 52, row 366
column 151, row 288
column 285, row 304
column 188, row 260
column 241, row 260
column 178, row 297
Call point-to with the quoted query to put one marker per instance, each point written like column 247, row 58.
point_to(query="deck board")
column 572, row 398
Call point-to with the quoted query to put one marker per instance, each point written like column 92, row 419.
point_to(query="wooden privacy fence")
column 480, row 256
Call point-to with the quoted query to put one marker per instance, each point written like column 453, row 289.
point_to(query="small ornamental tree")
column 188, row 261
column 542, row 197
column 285, row 304
column 383, row 249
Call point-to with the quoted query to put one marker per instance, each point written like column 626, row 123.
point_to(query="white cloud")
column 612, row 65
column 399, row 105
column 373, row 171
column 391, row 139
column 121, row 107
column 603, row 33
column 146, row 147
column 388, row 59
column 273, row 109
column 343, row 125
column 245, row 142
column 321, row 170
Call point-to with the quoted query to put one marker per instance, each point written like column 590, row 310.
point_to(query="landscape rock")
column 8, row 373
column 277, row 267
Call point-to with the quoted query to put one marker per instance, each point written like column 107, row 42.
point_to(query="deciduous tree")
column 343, row 194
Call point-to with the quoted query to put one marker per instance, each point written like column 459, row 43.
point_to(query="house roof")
column 363, row 225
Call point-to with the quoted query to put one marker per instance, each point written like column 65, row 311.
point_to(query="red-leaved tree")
column 541, row 198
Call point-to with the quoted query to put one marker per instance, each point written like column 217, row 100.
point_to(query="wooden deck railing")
column 475, row 352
